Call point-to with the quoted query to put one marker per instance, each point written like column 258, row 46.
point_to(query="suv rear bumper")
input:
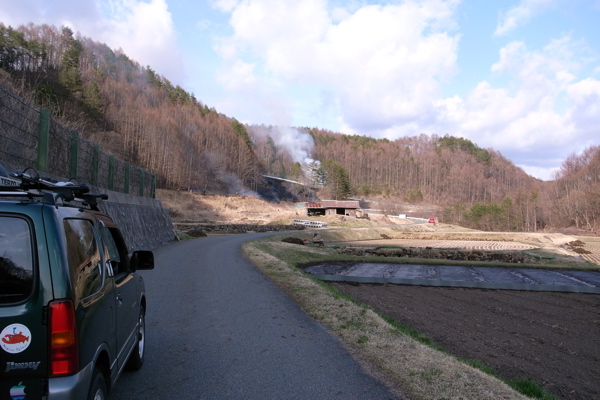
column 73, row 387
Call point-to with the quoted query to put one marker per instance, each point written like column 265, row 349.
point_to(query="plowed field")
column 594, row 248
column 446, row 244
column 549, row 338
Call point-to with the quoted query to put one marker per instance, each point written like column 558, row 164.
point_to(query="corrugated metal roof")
column 334, row 204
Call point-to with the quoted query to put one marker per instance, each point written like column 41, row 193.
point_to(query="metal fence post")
column 74, row 155
column 153, row 187
column 95, row 164
column 142, row 178
column 127, row 178
column 43, row 139
column 111, row 172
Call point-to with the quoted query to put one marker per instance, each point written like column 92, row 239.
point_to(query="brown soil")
column 548, row 338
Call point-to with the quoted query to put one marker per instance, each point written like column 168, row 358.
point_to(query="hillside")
column 143, row 118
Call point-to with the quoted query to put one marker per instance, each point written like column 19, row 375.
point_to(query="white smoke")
column 232, row 182
column 298, row 144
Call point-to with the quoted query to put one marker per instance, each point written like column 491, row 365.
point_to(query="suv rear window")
column 16, row 259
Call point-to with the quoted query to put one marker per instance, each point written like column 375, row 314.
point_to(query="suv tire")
column 98, row 390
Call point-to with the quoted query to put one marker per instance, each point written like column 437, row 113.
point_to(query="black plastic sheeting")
column 575, row 281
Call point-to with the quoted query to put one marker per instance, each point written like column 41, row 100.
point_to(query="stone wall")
column 193, row 229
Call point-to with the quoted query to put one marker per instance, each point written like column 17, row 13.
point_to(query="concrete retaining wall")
column 145, row 224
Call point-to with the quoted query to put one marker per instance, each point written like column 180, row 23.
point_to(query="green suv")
column 72, row 305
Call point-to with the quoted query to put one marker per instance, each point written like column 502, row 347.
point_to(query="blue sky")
column 519, row 76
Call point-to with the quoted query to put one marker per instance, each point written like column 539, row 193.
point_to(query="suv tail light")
column 64, row 351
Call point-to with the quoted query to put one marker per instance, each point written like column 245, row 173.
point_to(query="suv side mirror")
column 142, row 259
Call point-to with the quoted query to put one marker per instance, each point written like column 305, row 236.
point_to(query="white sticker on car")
column 15, row 338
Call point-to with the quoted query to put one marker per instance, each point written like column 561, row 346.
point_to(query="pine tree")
column 69, row 75
column 337, row 180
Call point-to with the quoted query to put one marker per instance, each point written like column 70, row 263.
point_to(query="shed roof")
column 334, row 204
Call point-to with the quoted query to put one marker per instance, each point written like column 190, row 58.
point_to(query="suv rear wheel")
column 98, row 390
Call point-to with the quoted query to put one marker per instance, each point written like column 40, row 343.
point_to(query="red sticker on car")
column 15, row 338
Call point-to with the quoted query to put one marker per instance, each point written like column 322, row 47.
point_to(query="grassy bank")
column 397, row 356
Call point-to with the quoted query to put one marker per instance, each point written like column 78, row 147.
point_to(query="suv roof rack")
column 52, row 192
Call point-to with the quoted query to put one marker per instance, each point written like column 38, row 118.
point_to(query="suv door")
column 126, row 289
column 93, row 289
column 23, row 336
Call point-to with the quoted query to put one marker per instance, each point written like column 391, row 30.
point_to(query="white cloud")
column 384, row 63
column 224, row 5
column 545, row 174
column 521, row 14
column 283, row 33
column 142, row 29
column 58, row 13
column 239, row 76
column 584, row 113
column 145, row 31
column 524, row 119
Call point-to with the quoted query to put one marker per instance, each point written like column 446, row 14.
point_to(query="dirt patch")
column 549, row 338
column 515, row 257
column 186, row 206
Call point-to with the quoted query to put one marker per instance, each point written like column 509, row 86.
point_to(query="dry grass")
column 186, row 206
column 410, row 368
column 189, row 208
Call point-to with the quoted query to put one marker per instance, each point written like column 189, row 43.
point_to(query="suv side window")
column 84, row 257
column 16, row 259
column 115, row 251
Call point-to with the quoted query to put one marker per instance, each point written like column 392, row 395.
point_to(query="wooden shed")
column 333, row 207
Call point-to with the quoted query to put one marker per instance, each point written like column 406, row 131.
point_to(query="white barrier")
column 309, row 224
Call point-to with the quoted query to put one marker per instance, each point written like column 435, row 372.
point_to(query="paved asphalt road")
column 217, row 329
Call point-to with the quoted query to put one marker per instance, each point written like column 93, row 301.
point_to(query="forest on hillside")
column 140, row 116
column 128, row 109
